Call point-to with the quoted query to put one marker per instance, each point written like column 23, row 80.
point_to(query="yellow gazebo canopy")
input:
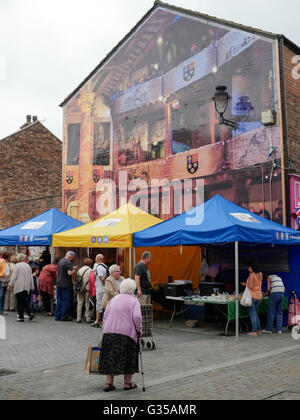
column 112, row 231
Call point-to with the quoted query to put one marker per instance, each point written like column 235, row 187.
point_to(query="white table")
column 182, row 311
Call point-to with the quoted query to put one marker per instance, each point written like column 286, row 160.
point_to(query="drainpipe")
column 285, row 152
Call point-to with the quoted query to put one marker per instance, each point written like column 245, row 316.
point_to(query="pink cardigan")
column 123, row 316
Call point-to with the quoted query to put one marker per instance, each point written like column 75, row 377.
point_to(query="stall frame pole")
column 134, row 258
column 130, row 262
column 237, row 302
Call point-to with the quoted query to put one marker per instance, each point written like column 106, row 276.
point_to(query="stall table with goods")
column 223, row 304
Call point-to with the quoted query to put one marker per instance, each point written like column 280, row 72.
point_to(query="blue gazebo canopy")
column 218, row 221
column 38, row 231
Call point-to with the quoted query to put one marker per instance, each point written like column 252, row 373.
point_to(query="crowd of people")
column 94, row 291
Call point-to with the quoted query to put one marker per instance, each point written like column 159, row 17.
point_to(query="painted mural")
column 149, row 111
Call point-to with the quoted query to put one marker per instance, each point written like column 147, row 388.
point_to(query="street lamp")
column 221, row 100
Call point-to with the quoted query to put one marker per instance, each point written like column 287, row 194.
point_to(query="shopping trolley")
column 147, row 327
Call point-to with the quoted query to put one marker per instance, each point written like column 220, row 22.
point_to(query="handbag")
column 92, row 360
column 247, row 298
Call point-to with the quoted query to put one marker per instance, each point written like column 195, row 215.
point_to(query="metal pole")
column 237, row 301
column 130, row 262
column 134, row 257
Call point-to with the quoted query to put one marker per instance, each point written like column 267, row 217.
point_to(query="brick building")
column 146, row 110
column 30, row 173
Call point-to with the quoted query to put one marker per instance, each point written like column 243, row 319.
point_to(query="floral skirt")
column 119, row 355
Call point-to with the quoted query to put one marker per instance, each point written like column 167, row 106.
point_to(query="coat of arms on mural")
column 188, row 72
column 192, row 164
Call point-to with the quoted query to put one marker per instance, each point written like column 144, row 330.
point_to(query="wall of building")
column 30, row 174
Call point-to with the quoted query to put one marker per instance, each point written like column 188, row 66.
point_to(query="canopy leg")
column 130, row 262
column 237, row 292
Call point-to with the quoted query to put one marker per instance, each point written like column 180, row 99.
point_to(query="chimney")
column 34, row 118
column 28, row 121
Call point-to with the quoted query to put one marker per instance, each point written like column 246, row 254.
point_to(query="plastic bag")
column 247, row 298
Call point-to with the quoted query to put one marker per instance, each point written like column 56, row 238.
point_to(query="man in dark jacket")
column 64, row 286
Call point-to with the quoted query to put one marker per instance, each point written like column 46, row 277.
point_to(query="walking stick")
column 141, row 363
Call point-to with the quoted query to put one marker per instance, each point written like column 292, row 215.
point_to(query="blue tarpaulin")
column 38, row 231
column 218, row 221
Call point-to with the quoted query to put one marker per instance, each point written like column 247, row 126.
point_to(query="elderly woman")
column 10, row 300
column 47, row 278
column 112, row 285
column 122, row 325
column 22, row 281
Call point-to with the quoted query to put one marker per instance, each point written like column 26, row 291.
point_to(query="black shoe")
column 31, row 316
column 79, row 322
column 57, row 319
column 95, row 325
column 19, row 320
column 67, row 319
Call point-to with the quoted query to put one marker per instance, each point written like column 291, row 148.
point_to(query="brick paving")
column 49, row 357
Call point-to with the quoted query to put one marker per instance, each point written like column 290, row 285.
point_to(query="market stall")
column 112, row 231
column 39, row 230
column 218, row 221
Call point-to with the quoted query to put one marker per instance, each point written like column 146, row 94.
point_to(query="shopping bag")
column 247, row 298
column 92, row 360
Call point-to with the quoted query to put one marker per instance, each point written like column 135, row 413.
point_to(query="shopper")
column 83, row 294
column 101, row 274
column 5, row 275
column 22, row 282
column 254, row 284
column 10, row 300
column 65, row 270
column 112, row 285
column 276, row 291
column 142, row 278
column 47, row 279
column 122, row 325
column 92, row 292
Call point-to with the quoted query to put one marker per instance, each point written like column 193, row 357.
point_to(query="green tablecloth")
column 230, row 306
column 244, row 312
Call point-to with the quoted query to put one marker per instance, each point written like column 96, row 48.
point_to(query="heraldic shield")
column 188, row 72
column 192, row 164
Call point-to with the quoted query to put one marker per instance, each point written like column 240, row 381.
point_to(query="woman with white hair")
column 112, row 285
column 22, row 283
column 122, row 325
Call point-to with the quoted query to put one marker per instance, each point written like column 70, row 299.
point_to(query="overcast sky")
column 47, row 47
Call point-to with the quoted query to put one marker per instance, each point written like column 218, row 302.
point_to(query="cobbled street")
column 45, row 360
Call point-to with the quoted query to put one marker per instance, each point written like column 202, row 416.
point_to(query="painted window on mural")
column 101, row 145
column 73, row 144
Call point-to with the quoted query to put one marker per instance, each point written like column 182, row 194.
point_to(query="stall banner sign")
column 243, row 217
column 108, row 223
column 33, row 225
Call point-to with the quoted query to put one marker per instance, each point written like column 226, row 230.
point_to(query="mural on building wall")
column 149, row 110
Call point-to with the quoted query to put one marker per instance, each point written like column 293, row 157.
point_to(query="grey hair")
column 146, row 254
column 128, row 286
column 99, row 257
column 70, row 254
column 113, row 268
column 21, row 257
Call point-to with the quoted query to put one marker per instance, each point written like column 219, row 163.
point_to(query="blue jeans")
column 254, row 316
column 3, row 291
column 63, row 300
column 275, row 311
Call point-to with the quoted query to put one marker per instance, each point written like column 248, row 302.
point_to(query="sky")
column 47, row 47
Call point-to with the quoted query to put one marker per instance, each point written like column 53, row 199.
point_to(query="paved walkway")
column 48, row 358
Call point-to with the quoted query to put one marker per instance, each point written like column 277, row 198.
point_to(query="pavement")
column 44, row 359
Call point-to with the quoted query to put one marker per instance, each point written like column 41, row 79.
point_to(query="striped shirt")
column 277, row 285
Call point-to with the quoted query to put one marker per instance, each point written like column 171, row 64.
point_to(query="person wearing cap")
column 64, row 285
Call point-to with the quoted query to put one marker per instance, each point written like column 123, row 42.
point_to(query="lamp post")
column 221, row 99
